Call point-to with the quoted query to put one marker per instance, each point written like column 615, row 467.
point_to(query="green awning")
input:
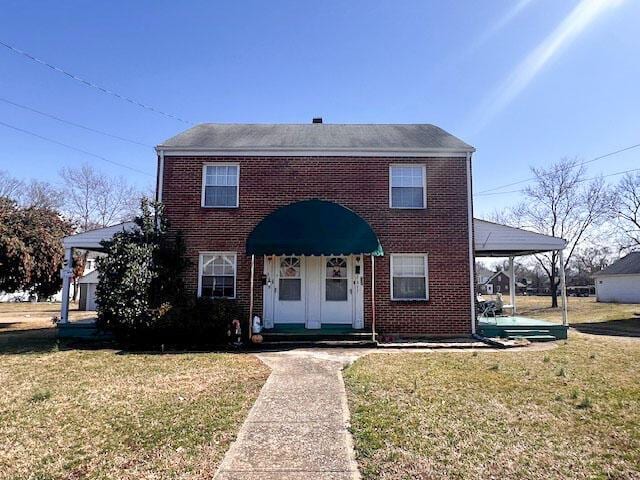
column 313, row 227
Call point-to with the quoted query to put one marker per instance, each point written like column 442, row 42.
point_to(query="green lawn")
column 101, row 414
column 571, row 412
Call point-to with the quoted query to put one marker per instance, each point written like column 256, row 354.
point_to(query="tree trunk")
column 553, row 285
column 554, row 294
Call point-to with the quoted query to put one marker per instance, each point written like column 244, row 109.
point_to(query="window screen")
column 409, row 277
column 407, row 187
column 221, row 186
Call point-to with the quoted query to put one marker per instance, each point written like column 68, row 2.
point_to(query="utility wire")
column 100, row 157
column 68, row 122
column 519, row 182
column 93, row 85
column 578, row 181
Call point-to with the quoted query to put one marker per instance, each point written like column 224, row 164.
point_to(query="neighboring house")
column 88, row 284
column 337, row 225
column 620, row 281
column 499, row 283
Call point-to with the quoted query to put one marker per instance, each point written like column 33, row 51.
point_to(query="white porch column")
column 253, row 267
column 563, row 290
column 373, row 298
column 66, row 273
column 512, row 286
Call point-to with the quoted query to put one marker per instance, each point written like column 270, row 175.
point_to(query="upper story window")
column 220, row 185
column 407, row 186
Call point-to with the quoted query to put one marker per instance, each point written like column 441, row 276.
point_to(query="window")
column 336, row 280
column 407, row 186
column 409, row 277
column 218, row 275
column 220, row 186
column 290, row 284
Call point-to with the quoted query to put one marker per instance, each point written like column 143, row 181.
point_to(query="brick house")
column 497, row 283
column 318, row 225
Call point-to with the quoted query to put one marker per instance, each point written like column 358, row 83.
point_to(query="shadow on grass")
column 628, row 327
column 45, row 340
column 4, row 326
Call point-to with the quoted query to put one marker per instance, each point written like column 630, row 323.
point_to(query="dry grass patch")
column 571, row 412
column 30, row 316
column 99, row 414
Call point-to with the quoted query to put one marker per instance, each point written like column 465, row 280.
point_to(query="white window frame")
column 235, row 271
column 426, row 276
column 204, row 184
column 424, row 185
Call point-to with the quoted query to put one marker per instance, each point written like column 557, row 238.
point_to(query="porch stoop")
column 330, row 335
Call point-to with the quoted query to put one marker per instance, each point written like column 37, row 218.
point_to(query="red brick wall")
column 361, row 184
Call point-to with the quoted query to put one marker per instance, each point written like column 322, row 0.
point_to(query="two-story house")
column 362, row 226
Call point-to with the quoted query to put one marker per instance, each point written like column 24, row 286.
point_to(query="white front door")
column 314, row 291
column 337, row 291
column 289, row 290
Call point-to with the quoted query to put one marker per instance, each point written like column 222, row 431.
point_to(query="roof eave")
column 315, row 151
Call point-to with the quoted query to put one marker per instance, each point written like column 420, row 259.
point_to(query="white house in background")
column 620, row 281
column 88, row 284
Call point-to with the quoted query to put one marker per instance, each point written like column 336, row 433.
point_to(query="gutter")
column 160, row 174
column 314, row 151
column 472, row 288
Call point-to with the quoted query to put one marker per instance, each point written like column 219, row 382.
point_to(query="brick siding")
column 361, row 184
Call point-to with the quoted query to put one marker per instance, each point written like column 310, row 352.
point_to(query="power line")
column 519, row 182
column 93, row 85
column 68, row 122
column 100, row 157
column 578, row 181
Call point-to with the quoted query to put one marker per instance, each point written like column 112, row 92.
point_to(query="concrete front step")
column 312, row 336
column 268, row 345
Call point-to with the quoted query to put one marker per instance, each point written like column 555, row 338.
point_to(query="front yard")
column 104, row 414
column 569, row 412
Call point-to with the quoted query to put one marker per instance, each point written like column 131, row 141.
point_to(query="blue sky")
column 524, row 81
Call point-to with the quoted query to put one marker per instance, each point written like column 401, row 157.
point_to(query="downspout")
column 472, row 282
column 160, row 175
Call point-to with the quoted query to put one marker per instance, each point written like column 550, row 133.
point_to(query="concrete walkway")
column 297, row 429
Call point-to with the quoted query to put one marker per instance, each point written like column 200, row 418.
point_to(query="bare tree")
column 588, row 261
column 10, row 187
column 627, row 211
column 563, row 203
column 115, row 201
column 41, row 194
column 95, row 200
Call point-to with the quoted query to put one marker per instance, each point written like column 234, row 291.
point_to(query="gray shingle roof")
column 316, row 136
column 628, row 265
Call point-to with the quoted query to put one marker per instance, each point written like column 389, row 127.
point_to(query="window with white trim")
column 220, row 186
column 407, row 186
column 218, row 275
column 290, row 283
column 409, row 277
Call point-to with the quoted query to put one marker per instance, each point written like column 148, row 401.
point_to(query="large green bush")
column 141, row 277
column 141, row 296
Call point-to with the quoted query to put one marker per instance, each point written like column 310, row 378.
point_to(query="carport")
column 496, row 240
